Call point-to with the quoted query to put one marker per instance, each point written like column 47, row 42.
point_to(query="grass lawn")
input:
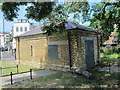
column 68, row 80
column 21, row 68
column 112, row 56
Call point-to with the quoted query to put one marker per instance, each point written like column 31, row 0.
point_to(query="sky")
column 8, row 24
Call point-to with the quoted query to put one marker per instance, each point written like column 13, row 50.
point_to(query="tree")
column 106, row 14
column 1, row 4
column 11, row 37
column 47, row 11
column 36, row 11
column 80, row 10
column 56, row 14
column 10, row 10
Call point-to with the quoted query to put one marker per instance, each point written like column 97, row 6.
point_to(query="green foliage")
column 10, row 9
column 36, row 11
column 55, row 22
column 1, row 4
column 80, row 10
column 39, row 10
column 110, row 49
column 58, row 17
column 55, row 28
column 106, row 14
column 11, row 37
column 75, row 21
column 110, row 60
column 110, row 56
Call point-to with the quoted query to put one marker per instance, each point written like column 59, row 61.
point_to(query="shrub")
column 110, row 50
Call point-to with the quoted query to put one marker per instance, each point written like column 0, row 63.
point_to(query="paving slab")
column 112, row 69
column 7, row 56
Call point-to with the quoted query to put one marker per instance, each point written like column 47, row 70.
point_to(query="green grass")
column 111, row 56
column 67, row 80
column 21, row 68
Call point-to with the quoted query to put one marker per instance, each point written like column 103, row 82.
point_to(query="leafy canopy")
column 106, row 14
column 55, row 15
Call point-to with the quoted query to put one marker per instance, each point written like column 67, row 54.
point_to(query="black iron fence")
column 11, row 75
column 30, row 71
column 112, row 63
column 17, row 70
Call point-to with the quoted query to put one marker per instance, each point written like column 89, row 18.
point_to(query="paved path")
column 112, row 69
column 7, row 56
column 6, row 81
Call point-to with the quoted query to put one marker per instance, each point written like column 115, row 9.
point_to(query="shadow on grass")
column 67, row 80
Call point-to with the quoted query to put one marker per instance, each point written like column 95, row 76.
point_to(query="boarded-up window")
column 53, row 51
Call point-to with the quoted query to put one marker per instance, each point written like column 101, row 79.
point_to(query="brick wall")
column 78, row 47
column 40, row 50
column 32, row 50
column 62, row 63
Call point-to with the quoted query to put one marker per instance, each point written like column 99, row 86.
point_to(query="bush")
column 110, row 50
column 106, row 61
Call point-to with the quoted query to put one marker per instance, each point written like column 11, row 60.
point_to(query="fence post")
column 1, row 70
column 0, row 52
column 17, row 68
column 15, row 54
column 109, row 67
column 30, row 73
column 118, row 65
column 11, row 77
